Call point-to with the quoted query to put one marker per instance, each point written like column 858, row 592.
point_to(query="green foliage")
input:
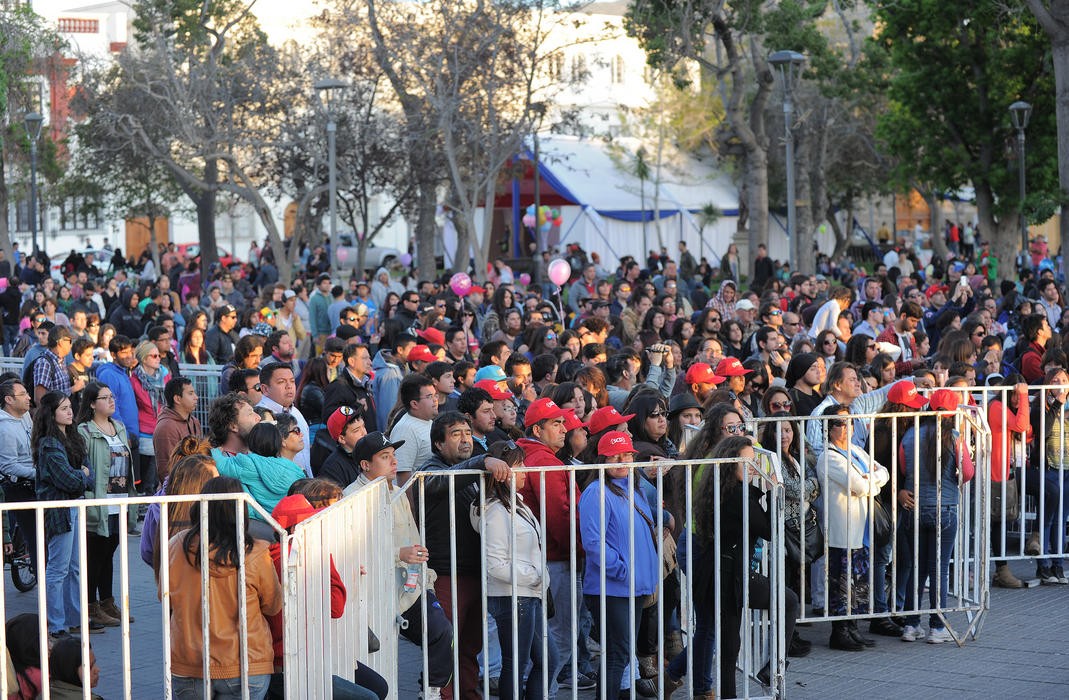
column 954, row 70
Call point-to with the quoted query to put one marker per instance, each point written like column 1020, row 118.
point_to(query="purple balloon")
column 525, row 279
column 559, row 272
column 406, row 259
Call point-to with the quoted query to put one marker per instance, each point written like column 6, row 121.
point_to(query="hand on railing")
column 498, row 468
column 414, row 554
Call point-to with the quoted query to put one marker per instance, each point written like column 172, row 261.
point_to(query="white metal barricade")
column 354, row 533
column 241, row 502
column 762, row 645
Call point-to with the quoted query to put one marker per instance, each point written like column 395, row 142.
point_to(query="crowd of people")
column 327, row 384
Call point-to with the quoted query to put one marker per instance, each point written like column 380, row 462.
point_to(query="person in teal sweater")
column 263, row 474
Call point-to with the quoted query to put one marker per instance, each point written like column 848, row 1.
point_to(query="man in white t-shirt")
column 420, row 400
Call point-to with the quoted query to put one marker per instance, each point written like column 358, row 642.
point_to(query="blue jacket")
column 646, row 567
column 266, row 479
column 385, row 386
column 929, row 492
column 118, row 380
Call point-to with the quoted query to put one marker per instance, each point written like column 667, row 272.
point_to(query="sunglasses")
column 657, row 414
column 780, row 405
column 350, row 319
column 775, row 312
column 296, row 431
column 830, row 342
column 736, row 428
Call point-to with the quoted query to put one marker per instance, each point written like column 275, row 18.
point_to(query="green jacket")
column 99, row 458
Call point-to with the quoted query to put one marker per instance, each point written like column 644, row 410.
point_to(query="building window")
column 22, row 214
column 77, row 25
column 618, row 70
column 78, row 214
column 579, row 71
column 555, row 67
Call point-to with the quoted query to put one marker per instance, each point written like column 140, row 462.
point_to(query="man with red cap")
column 546, row 431
column 701, row 381
column 477, row 404
column 346, row 427
column 419, row 357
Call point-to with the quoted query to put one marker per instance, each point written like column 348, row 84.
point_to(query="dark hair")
column 7, row 388
column 769, row 436
column 57, row 334
column 222, row 526
column 642, row 405
column 269, row 370
column 318, row 491
column 835, row 374
column 65, row 662
column 273, row 340
column 174, row 388
column 23, row 645
column 118, row 343
column 410, row 389
column 460, row 369
column 471, row 399
column 491, row 350
column 857, row 348
column 710, row 435
column 264, row 439
column 315, row 372
column 45, row 425
column 80, row 345
column 1031, row 325
column 542, row 365
column 436, row 370
column 237, row 380
column 501, row 491
column 245, row 347
column 89, row 396
column 284, row 423
column 705, row 497
column 222, row 414
column 442, row 423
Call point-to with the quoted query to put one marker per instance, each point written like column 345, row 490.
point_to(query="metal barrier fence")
column 890, row 583
column 455, row 497
column 355, row 535
column 241, row 502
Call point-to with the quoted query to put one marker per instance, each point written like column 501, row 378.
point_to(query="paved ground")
column 1022, row 652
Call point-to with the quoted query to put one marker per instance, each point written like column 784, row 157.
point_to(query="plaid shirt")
column 50, row 372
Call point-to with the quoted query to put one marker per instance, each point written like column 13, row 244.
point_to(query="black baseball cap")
column 371, row 444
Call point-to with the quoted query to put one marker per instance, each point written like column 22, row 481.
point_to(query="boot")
column 856, row 635
column 108, row 606
column 798, row 647
column 647, row 666
column 1004, row 578
column 841, row 639
column 101, row 617
column 1031, row 547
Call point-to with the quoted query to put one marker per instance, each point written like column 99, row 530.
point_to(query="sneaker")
column 1046, row 576
column 54, row 637
column 912, row 634
column 1059, row 575
column 938, row 635
column 586, row 682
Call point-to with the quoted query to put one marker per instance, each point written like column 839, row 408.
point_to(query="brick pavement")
column 1022, row 652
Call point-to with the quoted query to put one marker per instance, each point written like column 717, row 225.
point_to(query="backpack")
column 27, row 376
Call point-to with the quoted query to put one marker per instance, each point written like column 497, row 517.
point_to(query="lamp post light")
column 33, row 122
column 789, row 66
column 327, row 90
column 1020, row 112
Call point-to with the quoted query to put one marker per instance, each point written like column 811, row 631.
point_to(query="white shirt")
column 416, row 451
column 304, row 457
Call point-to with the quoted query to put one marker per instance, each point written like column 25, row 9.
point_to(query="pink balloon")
column 460, row 283
column 559, row 272
column 529, row 220
column 525, row 279
column 343, row 254
column 3, row 284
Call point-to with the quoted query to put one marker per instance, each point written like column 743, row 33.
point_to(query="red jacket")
column 558, row 506
column 337, row 601
column 1016, row 424
column 1032, row 363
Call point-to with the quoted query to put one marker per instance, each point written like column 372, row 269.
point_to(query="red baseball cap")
column 571, row 421
column 935, row 289
column 542, row 409
column 905, row 392
column 728, row 367
column 944, row 400
column 701, row 373
column 432, row 335
column 615, row 443
column 292, row 510
column 496, row 392
column 477, row 289
column 605, row 417
column 421, row 353
column 342, row 416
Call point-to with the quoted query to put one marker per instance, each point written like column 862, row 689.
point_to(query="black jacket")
column 339, row 467
column 220, row 345
column 345, row 391
column 438, row 506
column 734, row 557
column 127, row 321
column 310, row 403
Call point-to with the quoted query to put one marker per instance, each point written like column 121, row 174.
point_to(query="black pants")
column 647, row 628
column 99, row 561
column 731, row 619
column 147, row 474
column 439, row 638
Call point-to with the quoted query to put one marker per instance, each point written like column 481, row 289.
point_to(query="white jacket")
column 501, row 552
column 846, row 495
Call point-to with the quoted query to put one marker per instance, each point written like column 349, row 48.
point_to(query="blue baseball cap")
column 490, row 372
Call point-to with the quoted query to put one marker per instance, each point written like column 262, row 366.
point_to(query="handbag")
column 814, row 539
column 882, row 528
column 1010, row 505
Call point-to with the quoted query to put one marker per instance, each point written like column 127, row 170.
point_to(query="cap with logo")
column 371, row 444
column 496, row 393
column 731, row 367
column 905, row 393
column 340, row 419
column 542, row 409
column 615, row 443
column 603, row 418
column 571, row 421
column 421, row 353
column 225, row 310
column 944, row 400
column 701, row 373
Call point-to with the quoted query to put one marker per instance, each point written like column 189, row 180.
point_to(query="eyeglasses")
column 657, row 414
column 350, row 319
column 107, row 397
column 830, row 341
column 297, row 429
column 259, row 387
column 428, row 397
column 775, row 312
column 780, row 405
column 736, row 428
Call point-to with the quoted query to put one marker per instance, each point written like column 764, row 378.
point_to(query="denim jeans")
column 615, row 631
column 490, row 658
column 528, row 650
column 183, row 688
column 704, row 646
column 1053, row 527
column 61, row 578
column 938, row 527
column 565, row 588
column 881, row 560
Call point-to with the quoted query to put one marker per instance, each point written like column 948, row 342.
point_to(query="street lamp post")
column 538, row 109
column 1020, row 111
column 327, row 89
column 33, row 122
column 789, row 66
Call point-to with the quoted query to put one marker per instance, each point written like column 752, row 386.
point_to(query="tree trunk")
column 842, row 238
column 755, row 175
column 5, row 232
column 804, row 217
column 1061, row 89
column 1004, row 235
column 153, row 243
column 205, row 204
column 426, row 230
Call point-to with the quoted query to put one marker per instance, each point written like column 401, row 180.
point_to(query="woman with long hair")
column 62, row 474
column 263, row 599
column 731, row 336
column 648, row 426
column 108, row 452
column 290, row 432
column 24, row 652
column 657, row 324
column 614, row 581
column 592, row 380
column 193, row 350
column 576, row 439
column 102, row 351
column 776, row 400
column 827, row 347
column 248, row 352
column 311, row 395
column 514, row 549
column 861, row 349
column 943, row 467
column 502, row 300
column 883, row 369
column 684, row 415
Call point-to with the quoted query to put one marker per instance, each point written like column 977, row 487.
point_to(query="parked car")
column 374, row 257
column 192, row 251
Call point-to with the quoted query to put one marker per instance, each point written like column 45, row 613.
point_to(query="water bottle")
column 412, row 581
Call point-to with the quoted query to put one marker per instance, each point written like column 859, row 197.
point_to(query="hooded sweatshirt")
column 170, row 429
column 266, row 479
column 725, row 307
column 16, row 459
column 387, row 383
column 619, row 566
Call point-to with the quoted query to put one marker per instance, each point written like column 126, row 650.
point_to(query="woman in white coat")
column 849, row 480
